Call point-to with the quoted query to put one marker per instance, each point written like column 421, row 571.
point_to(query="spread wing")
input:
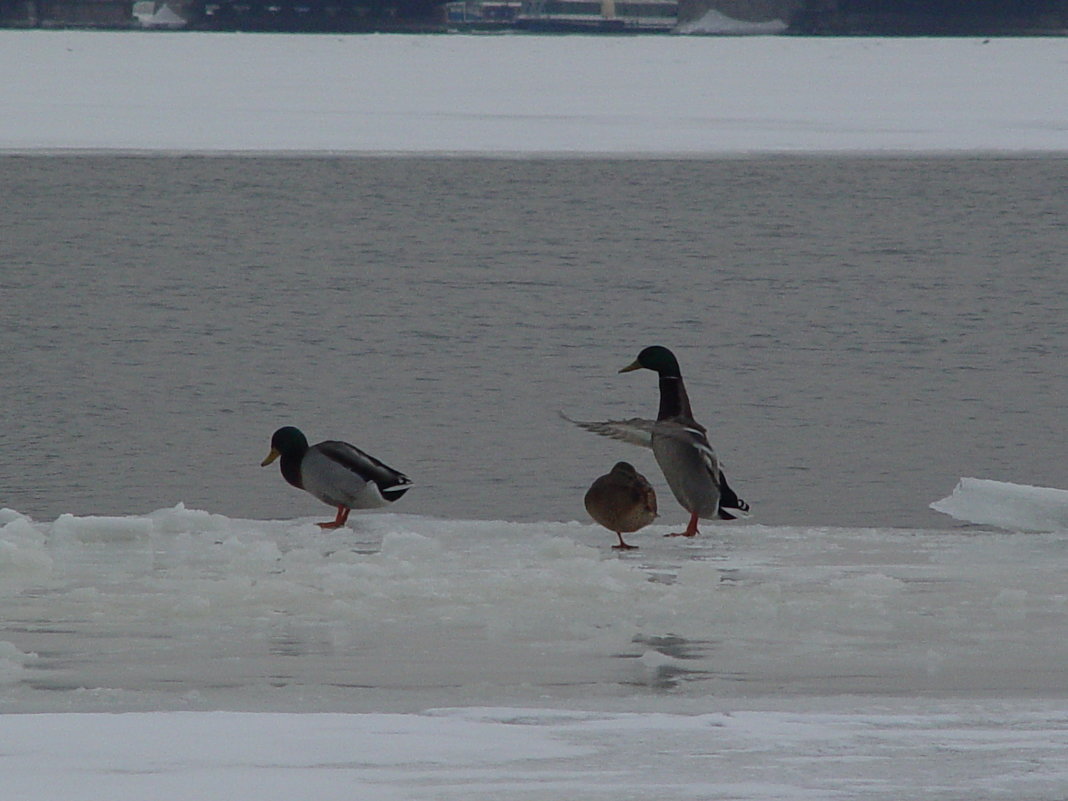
column 638, row 431
column 635, row 431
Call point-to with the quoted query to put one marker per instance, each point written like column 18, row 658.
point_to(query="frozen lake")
column 847, row 328
column 181, row 609
column 662, row 95
column 461, row 659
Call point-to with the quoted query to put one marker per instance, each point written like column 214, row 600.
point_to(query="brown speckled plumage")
column 622, row 501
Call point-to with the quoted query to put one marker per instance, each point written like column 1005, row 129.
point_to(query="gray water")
column 856, row 333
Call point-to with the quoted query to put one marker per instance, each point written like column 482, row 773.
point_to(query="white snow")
column 183, row 91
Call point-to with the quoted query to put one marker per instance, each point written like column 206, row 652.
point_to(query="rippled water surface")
column 855, row 333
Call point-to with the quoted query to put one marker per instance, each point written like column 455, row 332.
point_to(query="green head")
column 656, row 358
column 285, row 441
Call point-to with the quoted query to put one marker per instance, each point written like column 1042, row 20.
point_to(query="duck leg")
column 691, row 529
column 339, row 521
column 622, row 545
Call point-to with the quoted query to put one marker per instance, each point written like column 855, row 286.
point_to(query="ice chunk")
column 12, row 662
column 23, row 551
column 1017, row 507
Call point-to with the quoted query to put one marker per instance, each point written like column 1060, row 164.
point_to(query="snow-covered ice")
column 404, row 607
column 945, row 751
column 529, row 94
column 470, row 659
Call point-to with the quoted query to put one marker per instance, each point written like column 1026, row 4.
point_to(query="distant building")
column 481, row 14
column 238, row 15
column 66, row 13
column 725, row 17
column 598, row 16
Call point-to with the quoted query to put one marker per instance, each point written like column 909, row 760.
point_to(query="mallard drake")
column 336, row 473
column 622, row 501
column 679, row 443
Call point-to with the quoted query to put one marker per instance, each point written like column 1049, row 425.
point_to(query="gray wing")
column 635, row 431
column 361, row 464
column 638, row 431
column 340, row 473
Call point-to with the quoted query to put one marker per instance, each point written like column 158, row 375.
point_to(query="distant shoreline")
column 430, row 17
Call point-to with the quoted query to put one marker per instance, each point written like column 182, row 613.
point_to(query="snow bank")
column 1017, row 507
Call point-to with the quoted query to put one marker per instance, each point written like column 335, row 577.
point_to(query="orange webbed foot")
column 339, row 521
column 691, row 529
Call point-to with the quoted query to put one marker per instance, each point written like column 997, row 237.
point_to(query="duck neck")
column 291, row 469
column 673, row 399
